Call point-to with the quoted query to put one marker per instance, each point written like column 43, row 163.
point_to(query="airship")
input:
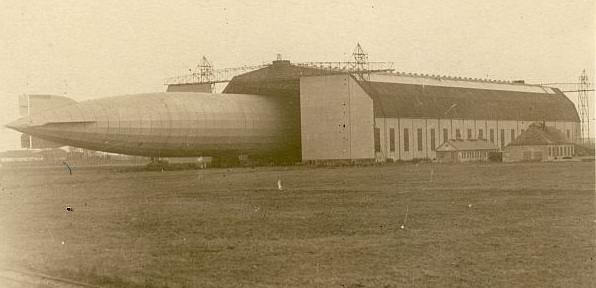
column 165, row 124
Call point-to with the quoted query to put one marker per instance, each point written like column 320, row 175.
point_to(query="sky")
column 93, row 49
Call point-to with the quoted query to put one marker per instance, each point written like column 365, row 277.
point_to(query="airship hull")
column 173, row 124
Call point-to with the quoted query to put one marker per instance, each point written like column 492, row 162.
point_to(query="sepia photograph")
column 348, row 144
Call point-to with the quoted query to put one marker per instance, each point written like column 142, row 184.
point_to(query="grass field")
column 470, row 225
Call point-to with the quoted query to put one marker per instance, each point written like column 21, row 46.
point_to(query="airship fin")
column 33, row 104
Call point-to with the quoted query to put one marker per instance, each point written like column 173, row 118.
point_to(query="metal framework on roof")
column 349, row 67
column 571, row 87
column 205, row 74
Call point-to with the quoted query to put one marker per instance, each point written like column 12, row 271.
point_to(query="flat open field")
column 469, row 225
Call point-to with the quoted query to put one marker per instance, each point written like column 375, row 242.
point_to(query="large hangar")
column 409, row 116
column 397, row 116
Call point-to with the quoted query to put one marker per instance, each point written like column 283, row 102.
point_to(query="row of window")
column 556, row 151
column 477, row 154
column 433, row 144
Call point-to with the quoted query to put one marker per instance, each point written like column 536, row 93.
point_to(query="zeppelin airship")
column 167, row 124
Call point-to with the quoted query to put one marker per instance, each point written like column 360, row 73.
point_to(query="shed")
column 461, row 150
column 539, row 143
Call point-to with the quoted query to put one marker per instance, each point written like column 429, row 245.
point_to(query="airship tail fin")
column 33, row 104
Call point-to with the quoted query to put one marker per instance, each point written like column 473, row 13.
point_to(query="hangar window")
column 377, row 140
column 392, row 140
column 480, row 134
column 406, row 139
column 469, row 133
column 502, row 137
column 568, row 134
column 419, row 139
column 432, row 139
column 457, row 134
column 492, row 135
column 512, row 134
column 445, row 135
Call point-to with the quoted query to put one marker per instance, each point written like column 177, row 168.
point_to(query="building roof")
column 494, row 101
column 416, row 96
column 540, row 134
column 467, row 145
column 278, row 79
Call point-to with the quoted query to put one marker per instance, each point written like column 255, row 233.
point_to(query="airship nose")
column 19, row 124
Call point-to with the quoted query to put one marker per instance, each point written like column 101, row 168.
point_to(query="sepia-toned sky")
column 107, row 48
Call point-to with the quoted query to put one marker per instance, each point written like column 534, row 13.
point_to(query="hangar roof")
column 400, row 100
column 417, row 96
column 280, row 78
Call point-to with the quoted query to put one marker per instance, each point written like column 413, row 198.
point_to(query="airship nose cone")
column 19, row 124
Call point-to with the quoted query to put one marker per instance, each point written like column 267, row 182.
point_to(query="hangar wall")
column 422, row 146
column 337, row 119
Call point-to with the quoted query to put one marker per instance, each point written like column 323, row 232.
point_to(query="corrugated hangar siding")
column 398, row 100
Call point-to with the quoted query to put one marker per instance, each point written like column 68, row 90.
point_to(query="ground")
column 464, row 225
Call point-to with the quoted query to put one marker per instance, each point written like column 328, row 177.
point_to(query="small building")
column 539, row 143
column 461, row 150
column 33, row 157
column 201, row 162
